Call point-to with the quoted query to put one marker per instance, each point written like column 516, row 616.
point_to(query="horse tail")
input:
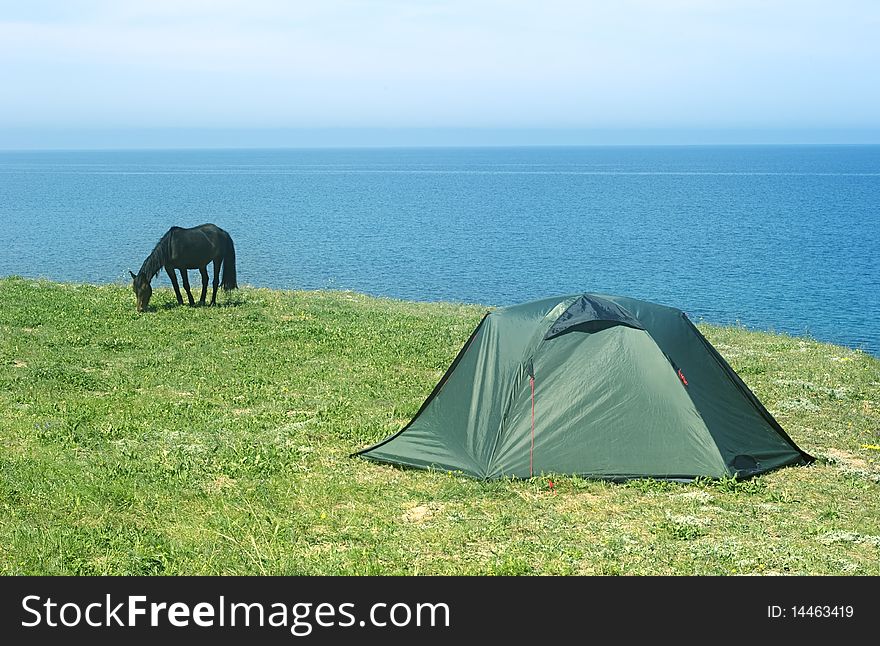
column 229, row 280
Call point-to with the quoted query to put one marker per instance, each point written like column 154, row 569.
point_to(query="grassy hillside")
column 216, row 441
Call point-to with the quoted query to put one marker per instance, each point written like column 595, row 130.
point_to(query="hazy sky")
column 677, row 65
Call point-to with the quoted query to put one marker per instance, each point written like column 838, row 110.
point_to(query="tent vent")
column 591, row 314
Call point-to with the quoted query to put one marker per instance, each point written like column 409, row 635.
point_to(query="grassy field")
column 216, row 441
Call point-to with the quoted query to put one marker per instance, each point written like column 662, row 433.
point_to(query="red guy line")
column 532, row 449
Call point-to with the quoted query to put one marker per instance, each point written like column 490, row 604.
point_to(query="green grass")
column 216, row 441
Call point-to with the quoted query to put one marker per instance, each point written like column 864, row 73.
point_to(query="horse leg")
column 204, row 272
column 216, row 284
column 170, row 271
column 185, row 276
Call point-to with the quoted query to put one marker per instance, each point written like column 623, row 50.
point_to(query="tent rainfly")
column 599, row 386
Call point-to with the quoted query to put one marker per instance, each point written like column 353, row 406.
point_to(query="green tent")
column 599, row 386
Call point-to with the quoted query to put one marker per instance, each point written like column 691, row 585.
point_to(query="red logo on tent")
column 681, row 376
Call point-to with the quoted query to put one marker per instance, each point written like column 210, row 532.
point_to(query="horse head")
column 142, row 290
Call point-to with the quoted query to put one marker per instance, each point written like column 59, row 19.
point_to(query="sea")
column 778, row 238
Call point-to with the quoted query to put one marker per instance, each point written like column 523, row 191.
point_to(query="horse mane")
column 158, row 257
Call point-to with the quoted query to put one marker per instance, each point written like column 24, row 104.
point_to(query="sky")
column 76, row 73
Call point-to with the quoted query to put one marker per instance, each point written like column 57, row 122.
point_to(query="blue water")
column 783, row 238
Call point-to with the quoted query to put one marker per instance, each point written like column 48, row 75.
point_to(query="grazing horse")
column 184, row 249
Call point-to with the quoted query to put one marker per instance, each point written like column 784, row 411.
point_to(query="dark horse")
column 187, row 249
